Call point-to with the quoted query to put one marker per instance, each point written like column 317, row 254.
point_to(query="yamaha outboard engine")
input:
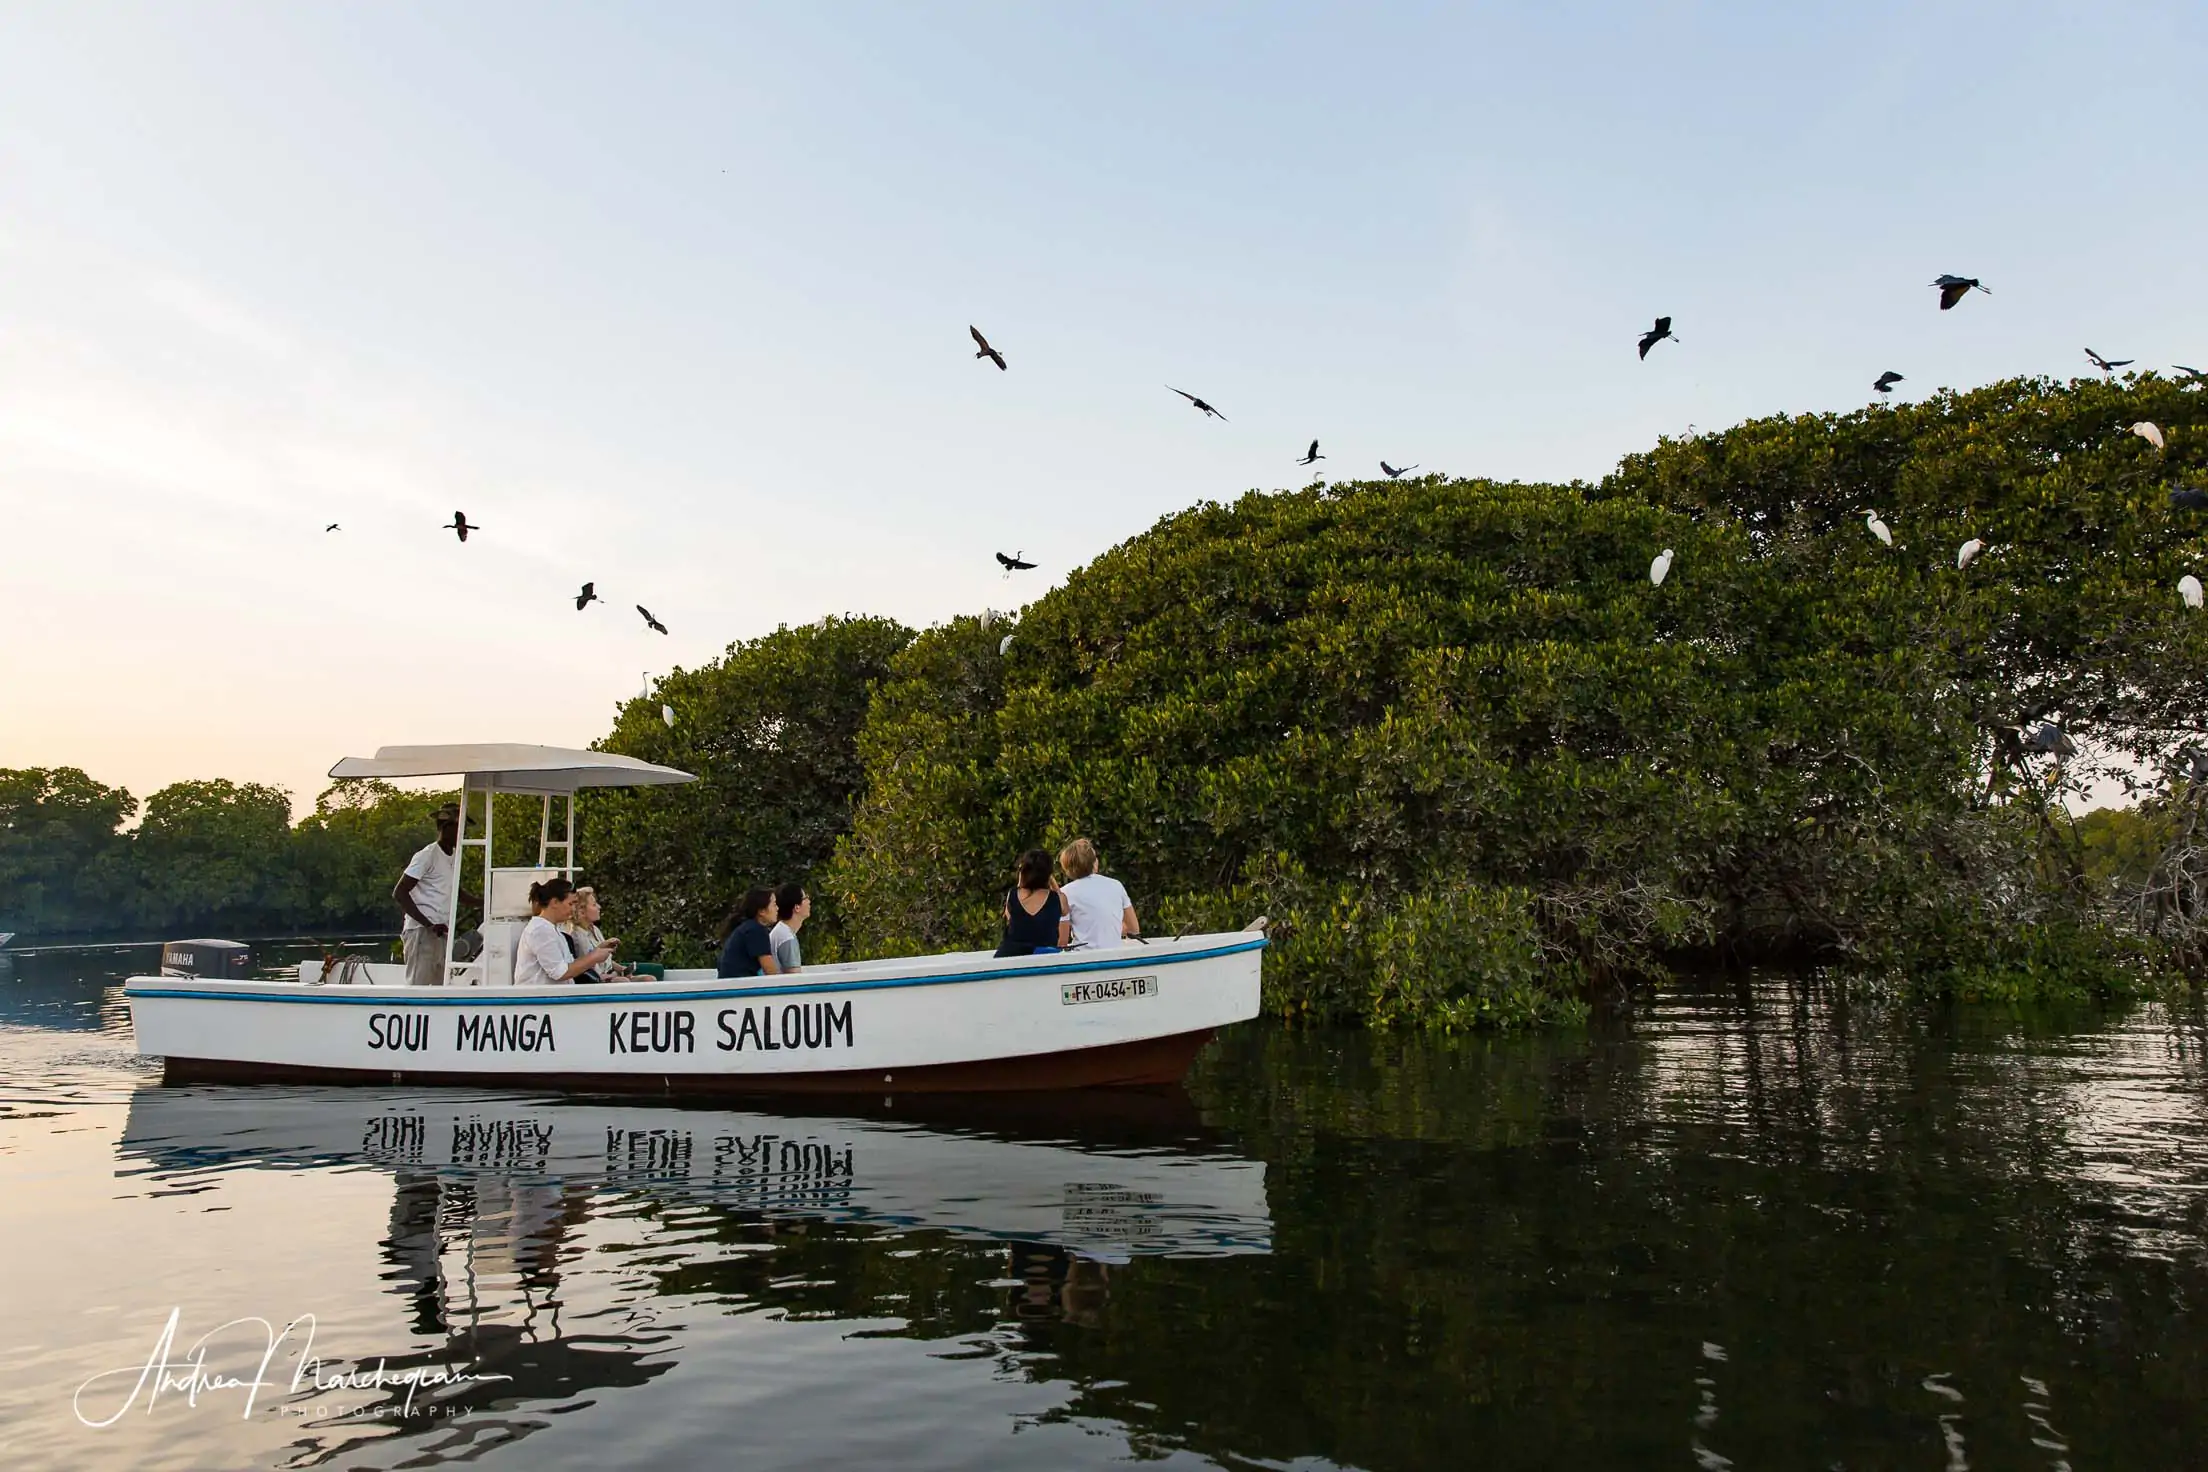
column 229, row 959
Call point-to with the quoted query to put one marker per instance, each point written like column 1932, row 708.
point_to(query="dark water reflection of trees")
column 1758, row 1236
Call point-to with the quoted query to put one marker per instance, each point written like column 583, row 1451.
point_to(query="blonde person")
column 1098, row 910
column 542, row 958
column 583, row 934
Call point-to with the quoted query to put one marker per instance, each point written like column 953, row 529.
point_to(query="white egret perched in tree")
column 2149, row 431
column 1004, row 645
column 1966, row 554
column 1660, row 568
column 2188, row 588
column 1878, row 528
column 667, row 714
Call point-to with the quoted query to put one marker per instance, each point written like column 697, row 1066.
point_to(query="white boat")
column 962, row 1022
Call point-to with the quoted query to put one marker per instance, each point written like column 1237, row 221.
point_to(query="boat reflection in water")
column 1031, row 1203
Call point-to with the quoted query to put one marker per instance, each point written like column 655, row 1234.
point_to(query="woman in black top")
column 746, row 946
column 1034, row 912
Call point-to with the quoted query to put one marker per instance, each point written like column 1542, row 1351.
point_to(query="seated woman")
column 542, row 958
column 583, row 936
column 1035, row 921
column 747, row 936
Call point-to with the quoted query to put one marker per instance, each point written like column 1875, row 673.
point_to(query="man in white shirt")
column 1103, row 916
column 424, row 894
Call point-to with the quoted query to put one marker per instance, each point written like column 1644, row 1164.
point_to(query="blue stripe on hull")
column 490, row 996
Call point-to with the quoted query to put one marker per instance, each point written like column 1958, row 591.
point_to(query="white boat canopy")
column 507, row 766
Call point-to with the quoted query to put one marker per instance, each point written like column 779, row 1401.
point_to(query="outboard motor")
column 228, row 959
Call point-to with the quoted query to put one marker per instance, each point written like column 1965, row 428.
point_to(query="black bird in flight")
column 2107, row 365
column 1013, row 563
column 1199, row 403
column 333, row 526
column 2188, row 498
column 986, row 351
column 1311, row 455
column 1954, row 288
column 588, row 596
column 1656, row 334
column 2189, row 372
column 459, row 523
column 1392, row 471
column 1886, row 381
column 649, row 622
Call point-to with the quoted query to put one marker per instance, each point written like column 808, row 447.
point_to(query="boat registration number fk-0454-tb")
column 1110, row 989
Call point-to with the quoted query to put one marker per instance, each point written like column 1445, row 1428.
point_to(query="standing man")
column 424, row 893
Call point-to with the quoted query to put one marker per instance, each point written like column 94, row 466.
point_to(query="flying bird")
column 1311, row 455
column 649, row 622
column 2149, row 431
column 2108, row 365
column 330, row 528
column 667, row 714
column 1004, row 645
column 1656, row 334
column 1199, row 403
column 1966, row 554
column 1392, row 472
column 1886, row 381
column 459, row 523
column 986, row 351
column 1878, row 528
column 2188, row 588
column 1013, row 563
column 2189, row 372
column 2188, row 498
column 1660, row 568
column 588, row 596
column 1954, row 288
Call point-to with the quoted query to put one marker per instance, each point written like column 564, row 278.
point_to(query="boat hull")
column 1147, row 1063
column 943, row 1024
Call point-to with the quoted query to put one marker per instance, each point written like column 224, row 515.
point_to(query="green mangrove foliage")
column 1474, row 764
column 771, row 730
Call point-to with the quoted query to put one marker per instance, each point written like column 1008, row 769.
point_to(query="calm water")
column 1757, row 1228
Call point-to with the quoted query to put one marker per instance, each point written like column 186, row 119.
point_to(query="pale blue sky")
column 675, row 298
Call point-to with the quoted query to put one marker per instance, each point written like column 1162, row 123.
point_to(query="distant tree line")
column 216, row 856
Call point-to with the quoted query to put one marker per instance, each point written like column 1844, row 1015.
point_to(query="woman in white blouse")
column 543, row 958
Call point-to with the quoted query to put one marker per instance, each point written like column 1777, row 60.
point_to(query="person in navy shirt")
column 747, row 936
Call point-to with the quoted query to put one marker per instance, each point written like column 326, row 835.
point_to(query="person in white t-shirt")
column 424, row 893
column 795, row 905
column 543, row 958
column 1103, row 916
